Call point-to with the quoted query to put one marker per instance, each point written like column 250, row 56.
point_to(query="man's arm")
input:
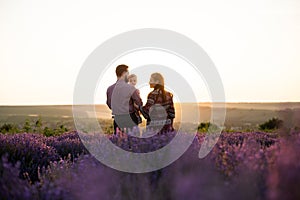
column 108, row 98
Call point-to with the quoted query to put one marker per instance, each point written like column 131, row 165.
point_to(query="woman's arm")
column 171, row 110
column 169, row 105
column 150, row 102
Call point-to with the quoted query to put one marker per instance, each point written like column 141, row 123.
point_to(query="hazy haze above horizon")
column 254, row 45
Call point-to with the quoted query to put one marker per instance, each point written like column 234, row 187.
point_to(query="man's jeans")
column 127, row 121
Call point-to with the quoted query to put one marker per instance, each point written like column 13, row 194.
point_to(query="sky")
column 254, row 45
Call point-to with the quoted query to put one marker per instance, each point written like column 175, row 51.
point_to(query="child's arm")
column 136, row 106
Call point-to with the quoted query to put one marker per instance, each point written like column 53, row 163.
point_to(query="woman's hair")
column 161, row 83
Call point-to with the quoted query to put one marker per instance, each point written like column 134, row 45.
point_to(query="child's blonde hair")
column 131, row 76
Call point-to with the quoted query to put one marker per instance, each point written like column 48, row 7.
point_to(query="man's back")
column 120, row 98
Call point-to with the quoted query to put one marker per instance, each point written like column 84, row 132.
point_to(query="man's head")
column 122, row 72
column 132, row 78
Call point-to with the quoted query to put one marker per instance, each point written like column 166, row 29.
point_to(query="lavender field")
column 242, row 165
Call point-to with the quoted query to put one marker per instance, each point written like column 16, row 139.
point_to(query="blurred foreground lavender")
column 254, row 165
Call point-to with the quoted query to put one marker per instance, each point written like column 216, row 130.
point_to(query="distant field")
column 58, row 163
column 238, row 115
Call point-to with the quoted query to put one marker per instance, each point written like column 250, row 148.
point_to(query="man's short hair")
column 121, row 69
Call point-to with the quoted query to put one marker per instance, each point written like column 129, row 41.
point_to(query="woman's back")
column 160, row 110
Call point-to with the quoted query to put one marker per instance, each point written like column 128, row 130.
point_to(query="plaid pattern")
column 159, row 108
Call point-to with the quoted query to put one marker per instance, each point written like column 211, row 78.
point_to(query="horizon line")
column 228, row 102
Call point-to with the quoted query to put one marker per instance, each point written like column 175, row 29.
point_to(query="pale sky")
column 254, row 44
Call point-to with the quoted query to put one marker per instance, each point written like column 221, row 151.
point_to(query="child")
column 132, row 79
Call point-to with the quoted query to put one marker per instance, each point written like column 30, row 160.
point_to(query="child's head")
column 132, row 78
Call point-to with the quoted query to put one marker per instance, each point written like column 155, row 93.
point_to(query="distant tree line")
column 35, row 126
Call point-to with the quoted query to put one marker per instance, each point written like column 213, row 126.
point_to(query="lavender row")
column 254, row 165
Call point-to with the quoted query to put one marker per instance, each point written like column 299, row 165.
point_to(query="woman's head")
column 156, row 80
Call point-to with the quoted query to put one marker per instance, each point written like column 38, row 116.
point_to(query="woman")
column 159, row 109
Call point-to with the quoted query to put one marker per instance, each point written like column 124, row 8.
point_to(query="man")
column 121, row 97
